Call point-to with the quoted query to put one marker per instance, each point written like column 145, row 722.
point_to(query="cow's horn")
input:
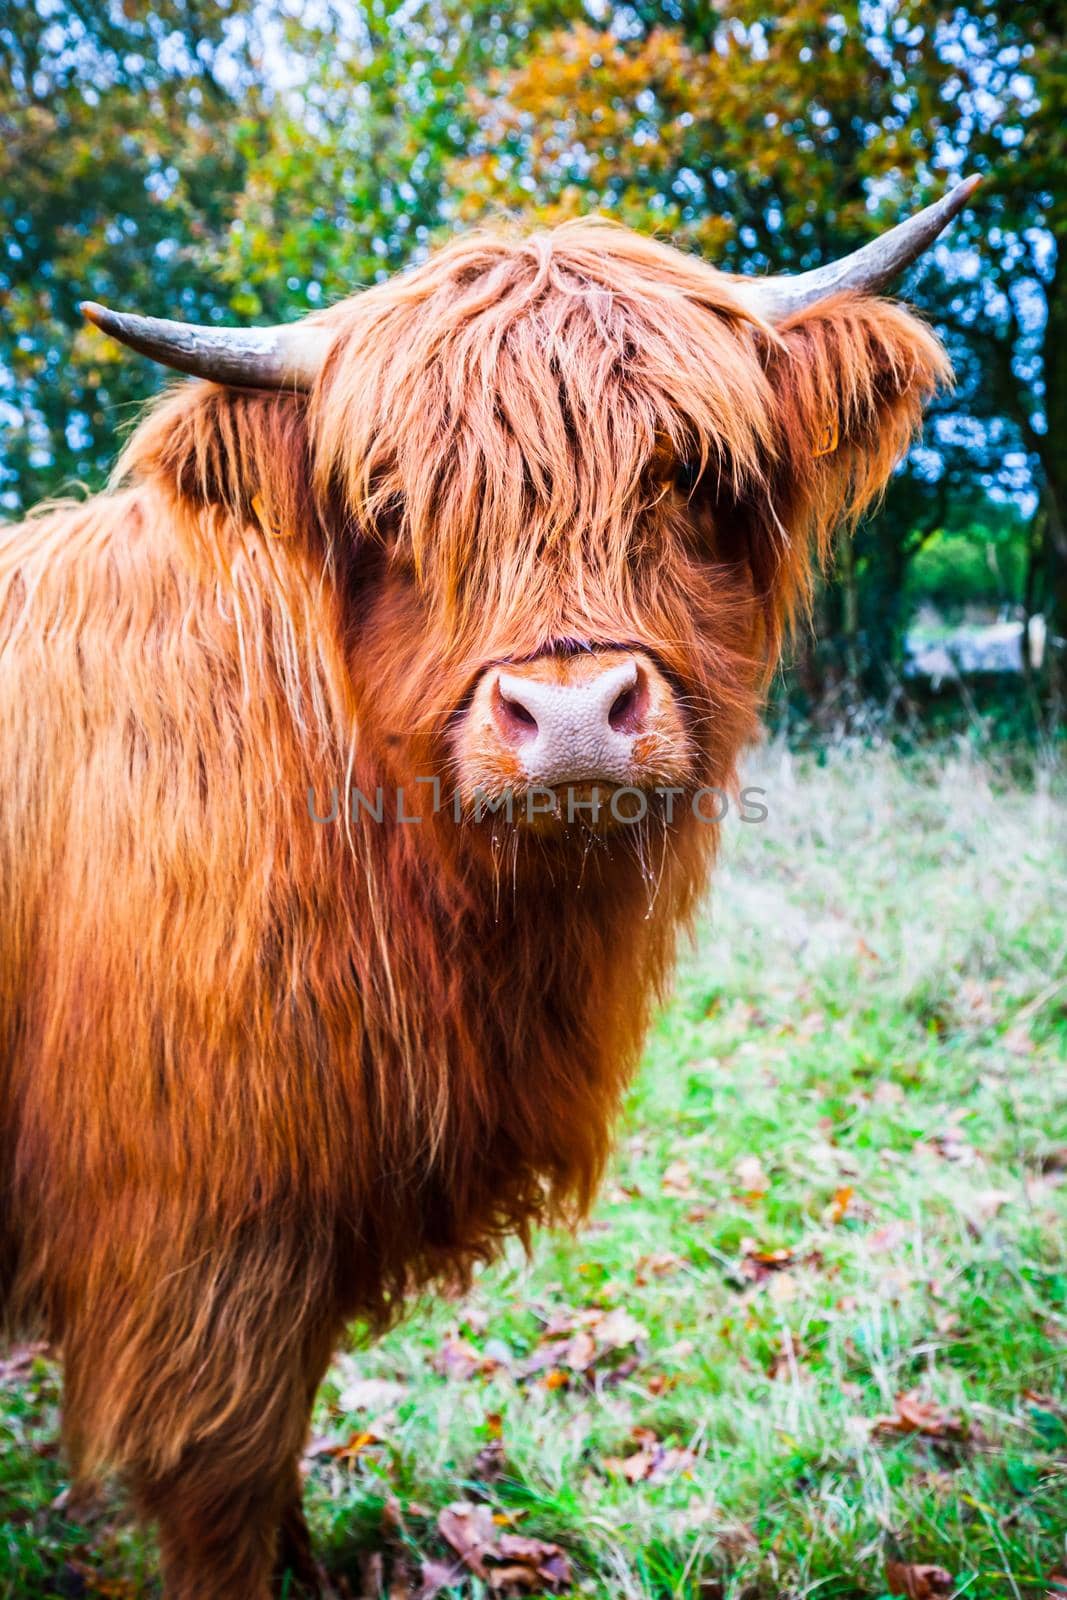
column 284, row 357
column 866, row 271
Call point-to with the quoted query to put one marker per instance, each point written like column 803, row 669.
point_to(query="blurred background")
column 209, row 160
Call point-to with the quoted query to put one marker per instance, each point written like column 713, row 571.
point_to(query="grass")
column 841, row 1180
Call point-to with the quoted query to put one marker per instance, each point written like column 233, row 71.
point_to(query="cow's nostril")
column 622, row 708
column 518, row 710
column 517, row 722
column 627, row 708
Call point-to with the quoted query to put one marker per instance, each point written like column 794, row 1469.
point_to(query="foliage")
column 815, row 1330
column 113, row 167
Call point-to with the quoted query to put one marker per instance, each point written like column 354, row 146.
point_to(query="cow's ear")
column 849, row 377
column 236, row 453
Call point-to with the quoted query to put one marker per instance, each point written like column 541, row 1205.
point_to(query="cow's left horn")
column 866, row 271
column 284, row 357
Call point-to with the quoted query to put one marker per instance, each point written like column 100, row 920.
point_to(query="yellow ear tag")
column 264, row 521
column 827, row 441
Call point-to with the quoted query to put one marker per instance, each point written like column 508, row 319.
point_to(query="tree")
column 113, row 167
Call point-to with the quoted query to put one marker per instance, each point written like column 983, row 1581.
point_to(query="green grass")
column 865, row 1070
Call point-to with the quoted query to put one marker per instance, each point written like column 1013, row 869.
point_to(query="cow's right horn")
column 869, row 270
column 288, row 356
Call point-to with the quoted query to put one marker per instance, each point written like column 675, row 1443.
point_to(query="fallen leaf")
column 502, row 1579
column 469, row 1530
column 652, row 1460
column 370, row 1394
column 575, row 1340
column 581, row 1351
column 913, row 1414
column 950, row 1145
column 782, row 1288
column 888, row 1237
column 343, row 1450
column 90, row 1582
column 839, row 1204
column 887, row 1092
column 437, row 1575
column 547, row 1560
column 20, row 1362
column 758, row 1265
column 917, row 1582
column 657, row 1266
column 505, row 1561
column 459, row 1359
column 489, row 1463
column 751, row 1176
column 678, row 1180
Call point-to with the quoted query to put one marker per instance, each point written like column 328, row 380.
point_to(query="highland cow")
column 536, row 513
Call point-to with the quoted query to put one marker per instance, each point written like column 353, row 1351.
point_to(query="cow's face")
column 569, row 490
column 585, row 489
column 629, row 664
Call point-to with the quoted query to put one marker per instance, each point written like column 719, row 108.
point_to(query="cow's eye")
column 687, row 476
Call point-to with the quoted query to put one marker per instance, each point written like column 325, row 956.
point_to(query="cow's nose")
column 573, row 730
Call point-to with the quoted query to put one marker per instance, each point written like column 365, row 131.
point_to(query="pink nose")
column 573, row 731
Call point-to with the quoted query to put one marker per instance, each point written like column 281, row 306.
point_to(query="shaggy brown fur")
column 259, row 1075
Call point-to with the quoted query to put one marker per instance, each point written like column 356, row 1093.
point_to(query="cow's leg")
column 229, row 1513
column 216, row 1540
column 294, row 1560
column 200, row 1394
column 231, row 1523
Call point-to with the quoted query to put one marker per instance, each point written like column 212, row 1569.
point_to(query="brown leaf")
column 913, row 1414
column 525, row 1578
column 437, row 1575
column 652, row 1460
column 575, row 1340
column 469, row 1530
column 657, row 1266
column 91, row 1582
column 581, row 1351
column 358, row 1442
column 535, row 1553
column 917, row 1582
column 751, row 1176
column 343, row 1450
column 370, row 1394
column 19, row 1363
column 459, row 1359
column 489, row 1463
column 507, row 1562
column 678, row 1180
column 758, row 1265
